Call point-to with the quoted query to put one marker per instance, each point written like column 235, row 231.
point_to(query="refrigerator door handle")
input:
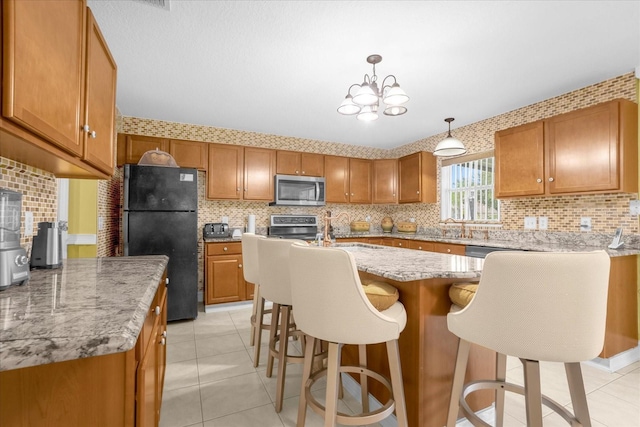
column 125, row 233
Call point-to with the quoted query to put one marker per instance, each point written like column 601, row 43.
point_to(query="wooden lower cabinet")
column 224, row 277
column 420, row 245
column 449, row 248
column 120, row 389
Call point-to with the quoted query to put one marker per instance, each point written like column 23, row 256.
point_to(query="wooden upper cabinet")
column 593, row 149
column 225, row 171
column 417, row 180
column 360, row 175
column 519, row 155
column 100, row 100
column 336, row 172
column 136, row 145
column 45, row 99
column 385, row 181
column 189, row 154
column 259, row 169
column 298, row 163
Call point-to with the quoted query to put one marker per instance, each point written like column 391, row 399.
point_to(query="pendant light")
column 449, row 146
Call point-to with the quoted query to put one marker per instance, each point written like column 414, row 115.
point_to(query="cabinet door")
column 311, row 164
column 336, row 170
column 137, row 145
column 43, row 69
column 360, row 175
column 224, row 171
column 409, row 178
column 189, row 154
column 583, row 150
column 519, row 155
column 147, row 385
column 287, row 162
column 385, row 181
column 259, row 169
column 224, row 279
column 100, row 100
column 400, row 243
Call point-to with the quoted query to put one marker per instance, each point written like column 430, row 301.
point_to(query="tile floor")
column 211, row 382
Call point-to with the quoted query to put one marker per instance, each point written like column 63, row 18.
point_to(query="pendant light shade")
column 365, row 95
column 368, row 113
column 449, row 146
column 395, row 95
column 347, row 107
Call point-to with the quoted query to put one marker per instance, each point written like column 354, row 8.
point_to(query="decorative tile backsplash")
column 607, row 211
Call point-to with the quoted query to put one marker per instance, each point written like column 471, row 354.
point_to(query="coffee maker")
column 46, row 251
column 14, row 263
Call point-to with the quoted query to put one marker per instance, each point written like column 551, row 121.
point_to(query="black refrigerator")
column 160, row 217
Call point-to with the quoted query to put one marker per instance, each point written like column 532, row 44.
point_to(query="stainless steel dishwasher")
column 482, row 251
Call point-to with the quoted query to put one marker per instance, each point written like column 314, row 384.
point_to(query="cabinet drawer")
column 449, row 248
column 225, row 248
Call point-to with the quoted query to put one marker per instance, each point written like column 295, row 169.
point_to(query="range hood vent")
column 162, row 4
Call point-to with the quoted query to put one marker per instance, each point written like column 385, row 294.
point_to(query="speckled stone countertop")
column 89, row 307
column 540, row 242
column 405, row 265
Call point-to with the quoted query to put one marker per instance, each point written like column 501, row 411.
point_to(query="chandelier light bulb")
column 395, row 110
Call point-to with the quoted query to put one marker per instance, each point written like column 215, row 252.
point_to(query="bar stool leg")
column 458, row 381
column 532, row 392
column 283, row 348
column 311, row 343
column 578, row 396
column 501, row 375
column 364, row 383
column 395, row 370
column 254, row 315
column 257, row 329
column 331, row 403
column 273, row 331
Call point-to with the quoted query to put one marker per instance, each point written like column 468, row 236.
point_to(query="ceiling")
column 283, row 67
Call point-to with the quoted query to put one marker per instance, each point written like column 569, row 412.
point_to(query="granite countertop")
column 406, row 265
column 570, row 242
column 89, row 307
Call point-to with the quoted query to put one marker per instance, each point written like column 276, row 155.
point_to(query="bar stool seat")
column 331, row 305
column 537, row 307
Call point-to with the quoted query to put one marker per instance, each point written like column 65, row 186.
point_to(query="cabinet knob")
column 346, row 194
column 225, row 249
column 399, row 244
column 164, row 334
column 297, row 172
column 166, row 281
column 303, row 173
column 237, row 188
column 352, row 194
column 163, row 341
column 550, row 179
column 87, row 129
column 418, row 192
column 239, row 265
column 419, row 247
column 157, row 310
column 448, row 250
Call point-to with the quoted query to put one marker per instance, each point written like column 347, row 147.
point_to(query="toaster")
column 216, row 230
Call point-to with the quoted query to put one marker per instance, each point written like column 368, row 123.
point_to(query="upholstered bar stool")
column 537, row 307
column 252, row 275
column 275, row 283
column 331, row 305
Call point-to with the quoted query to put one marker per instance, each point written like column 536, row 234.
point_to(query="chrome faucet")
column 326, row 240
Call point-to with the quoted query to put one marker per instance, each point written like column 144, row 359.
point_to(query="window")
column 467, row 188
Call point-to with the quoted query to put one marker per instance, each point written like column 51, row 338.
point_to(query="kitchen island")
column 78, row 344
column 427, row 348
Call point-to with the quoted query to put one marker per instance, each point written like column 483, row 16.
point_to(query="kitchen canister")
column 251, row 224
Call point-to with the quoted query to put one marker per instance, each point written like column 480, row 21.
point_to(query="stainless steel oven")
column 303, row 227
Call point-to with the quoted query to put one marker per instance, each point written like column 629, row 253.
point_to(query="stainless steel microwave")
column 293, row 190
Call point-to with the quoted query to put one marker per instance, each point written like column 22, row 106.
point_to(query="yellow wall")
column 83, row 214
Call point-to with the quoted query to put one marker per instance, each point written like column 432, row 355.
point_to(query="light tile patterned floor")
column 211, row 382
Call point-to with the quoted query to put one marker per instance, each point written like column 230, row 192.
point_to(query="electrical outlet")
column 28, row 223
column 585, row 224
column 634, row 207
column 543, row 222
column 530, row 222
column 100, row 223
